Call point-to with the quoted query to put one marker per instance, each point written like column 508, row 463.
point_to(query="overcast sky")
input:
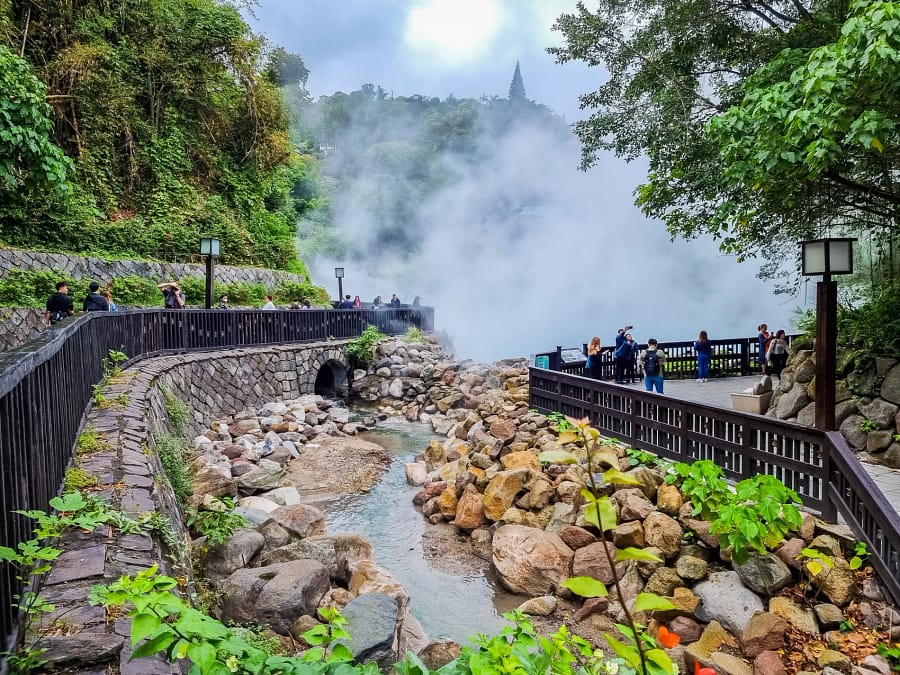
column 608, row 264
column 432, row 47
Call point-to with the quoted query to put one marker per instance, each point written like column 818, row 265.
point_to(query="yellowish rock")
column 520, row 460
column 447, row 502
column 501, row 493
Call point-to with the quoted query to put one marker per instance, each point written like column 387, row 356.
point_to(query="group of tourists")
column 627, row 356
column 773, row 350
column 60, row 305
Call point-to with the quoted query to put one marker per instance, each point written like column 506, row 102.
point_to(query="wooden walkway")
column 717, row 393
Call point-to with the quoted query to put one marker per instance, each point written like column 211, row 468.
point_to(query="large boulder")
column 764, row 574
column 276, row 595
column 663, row 532
column 338, row 552
column 470, row 510
column 851, row 430
column 792, row 402
column 530, row 561
column 501, row 492
column 879, row 411
column 890, row 387
column 592, row 561
column 725, row 599
column 372, row 624
column 266, row 476
column 223, row 559
column 301, row 520
column 213, row 482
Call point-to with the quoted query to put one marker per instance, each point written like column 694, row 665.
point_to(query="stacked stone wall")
column 79, row 267
column 19, row 325
column 130, row 475
column 867, row 404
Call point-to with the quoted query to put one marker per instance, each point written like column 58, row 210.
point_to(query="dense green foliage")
column 361, row 350
column 763, row 122
column 170, row 119
column 31, row 288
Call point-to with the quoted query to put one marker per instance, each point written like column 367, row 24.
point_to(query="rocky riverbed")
column 493, row 503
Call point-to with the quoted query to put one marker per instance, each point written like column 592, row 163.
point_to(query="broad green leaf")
column 623, row 651
column 557, row 457
column 154, row 645
column 142, row 625
column 855, row 562
column 877, row 145
column 586, row 587
column 340, row 652
column 588, row 495
column 661, row 659
column 568, row 437
column 608, row 457
column 617, row 477
column 631, row 553
column 814, row 567
column 650, row 602
column 601, row 514
column 203, row 654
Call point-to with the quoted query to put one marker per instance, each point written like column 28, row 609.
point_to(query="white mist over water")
column 567, row 256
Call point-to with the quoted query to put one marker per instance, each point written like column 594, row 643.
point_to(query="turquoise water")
column 447, row 605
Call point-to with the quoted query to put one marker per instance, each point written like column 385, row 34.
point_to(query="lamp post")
column 826, row 257
column 210, row 248
column 339, row 275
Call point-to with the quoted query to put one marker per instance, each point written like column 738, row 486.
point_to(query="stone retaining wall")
column 129, row 473
column 19, row 325
column 79, row 267
column 867, row 404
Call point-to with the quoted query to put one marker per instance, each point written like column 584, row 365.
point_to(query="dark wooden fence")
column 819, row 466
column 735, row 356
column 45, row 387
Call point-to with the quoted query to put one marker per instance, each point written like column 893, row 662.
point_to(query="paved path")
column 716, row 392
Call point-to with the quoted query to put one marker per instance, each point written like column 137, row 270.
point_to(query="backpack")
column 651, row 362
column 58, row 315
column 171, row 300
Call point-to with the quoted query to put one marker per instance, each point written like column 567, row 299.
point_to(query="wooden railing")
column 733, row 356
column 45, row 387
column 819, row 466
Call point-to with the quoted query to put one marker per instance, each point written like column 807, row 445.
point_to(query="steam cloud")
column 566, row 257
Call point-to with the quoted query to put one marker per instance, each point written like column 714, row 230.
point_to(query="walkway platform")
column 717, row 392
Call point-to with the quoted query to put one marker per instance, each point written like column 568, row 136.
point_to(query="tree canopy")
column 763, row 122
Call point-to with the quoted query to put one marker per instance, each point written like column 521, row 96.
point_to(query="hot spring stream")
column 445, row 604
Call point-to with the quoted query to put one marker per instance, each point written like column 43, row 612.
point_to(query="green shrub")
column 135, row 291
column 242, row 293
column 175, row 456
column 288, row 291
column 361, row 350
column 177, row 411
column 218, row 525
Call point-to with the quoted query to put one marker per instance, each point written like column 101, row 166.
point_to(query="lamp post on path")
column 210, row 248
column 339, row 274
column 826, row 257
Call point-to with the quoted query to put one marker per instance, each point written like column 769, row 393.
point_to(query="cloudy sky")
column 434, row 47
column 590, row 264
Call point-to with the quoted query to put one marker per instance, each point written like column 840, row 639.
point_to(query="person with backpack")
column 59, row 305
column 631, row 366
column 704, row 352
column 653, row 361
column 174, row 296
column 94, row 302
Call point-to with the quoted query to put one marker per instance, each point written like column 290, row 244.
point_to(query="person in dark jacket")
column 623, row 355
column 94, row 302
column 59, row 305
column 395, row 301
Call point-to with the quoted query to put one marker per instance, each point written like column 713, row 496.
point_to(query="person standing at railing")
column 631, row 365
column 653, row 361
column 623, row 355
column 357, row 303
column 59, row 305
column 269, row 306
column 704, row 354
column 174, row 296
column 762, row 338
column 593, row 365
column 346, row 303
column 223, row 301
column 113, row 307
column 395, row 301
column 777, row 354
column 94, row 302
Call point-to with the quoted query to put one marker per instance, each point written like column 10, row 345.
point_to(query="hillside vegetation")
column 132, row 128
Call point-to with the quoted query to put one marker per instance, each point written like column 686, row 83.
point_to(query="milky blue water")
column 447, row 605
